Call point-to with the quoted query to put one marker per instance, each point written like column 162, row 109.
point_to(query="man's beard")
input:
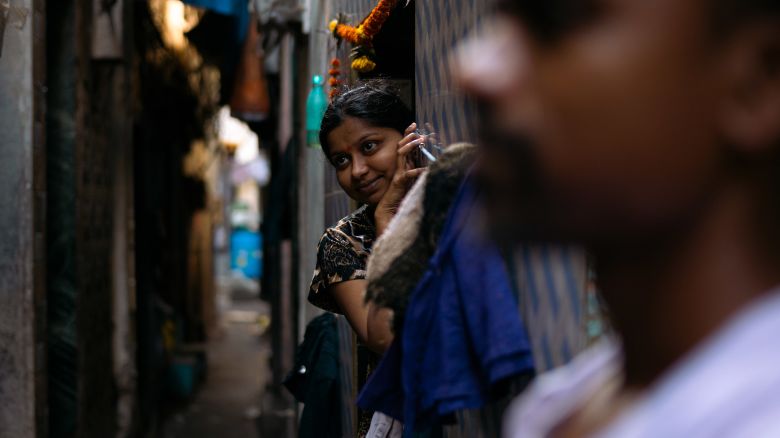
column 517, row 199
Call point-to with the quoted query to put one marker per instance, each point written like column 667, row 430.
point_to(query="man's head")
column 618, row 119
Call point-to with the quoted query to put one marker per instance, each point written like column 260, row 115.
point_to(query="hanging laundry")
column 224, row 7
column 462, row 333
column 250, row 100
column 235, row 11
column 314, row 381
column 220, row 36
column 238, row 9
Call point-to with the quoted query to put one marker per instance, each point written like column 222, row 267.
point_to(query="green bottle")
column 316, row 104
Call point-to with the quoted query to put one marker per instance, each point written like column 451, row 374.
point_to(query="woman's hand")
column 405, row 175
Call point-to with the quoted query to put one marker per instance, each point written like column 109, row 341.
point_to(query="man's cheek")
column 494, row 180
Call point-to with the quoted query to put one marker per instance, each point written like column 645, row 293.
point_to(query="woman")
column 368, row 136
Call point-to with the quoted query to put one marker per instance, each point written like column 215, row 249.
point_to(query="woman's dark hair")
column 375, row 102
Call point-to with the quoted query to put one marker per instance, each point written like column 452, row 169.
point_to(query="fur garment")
column 400, row 256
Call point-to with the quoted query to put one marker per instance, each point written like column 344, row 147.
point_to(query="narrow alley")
column 229, row 403
column 164, row 189
column 389, row 218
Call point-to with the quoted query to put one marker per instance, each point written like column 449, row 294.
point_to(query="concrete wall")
column 311, row 196
column 22, row 225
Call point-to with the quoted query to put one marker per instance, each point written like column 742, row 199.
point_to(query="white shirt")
column 729, row 386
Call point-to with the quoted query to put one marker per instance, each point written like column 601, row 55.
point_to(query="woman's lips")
column 370, row 186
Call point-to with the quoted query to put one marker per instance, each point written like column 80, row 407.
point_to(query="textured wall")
column 355, row 9
column 440, row 25
column 22, row 220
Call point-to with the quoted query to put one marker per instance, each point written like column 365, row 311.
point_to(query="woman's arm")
column 371, row 326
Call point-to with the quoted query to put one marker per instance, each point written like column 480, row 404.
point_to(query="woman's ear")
column 750, row 117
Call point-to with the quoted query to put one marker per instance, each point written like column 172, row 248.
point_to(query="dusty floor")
column 227, row 405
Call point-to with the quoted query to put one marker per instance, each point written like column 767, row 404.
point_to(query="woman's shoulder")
column 342, row 256
column 360, row 220
column 354, row 230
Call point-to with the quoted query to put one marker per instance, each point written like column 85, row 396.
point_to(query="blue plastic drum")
column 246, row 253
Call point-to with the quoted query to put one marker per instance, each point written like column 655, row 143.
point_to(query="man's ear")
column 750, row 116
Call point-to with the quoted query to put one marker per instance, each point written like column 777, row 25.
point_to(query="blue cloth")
column 224, row 7
column 383, row 391
column 239, row 9
column 462, row 332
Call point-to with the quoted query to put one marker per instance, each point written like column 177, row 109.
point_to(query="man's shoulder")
column 556, row 394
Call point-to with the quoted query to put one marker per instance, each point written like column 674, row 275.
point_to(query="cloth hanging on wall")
column 462, row 333
column 224, row 7
column 250, row 100
column 314, row 381
column 239, row 9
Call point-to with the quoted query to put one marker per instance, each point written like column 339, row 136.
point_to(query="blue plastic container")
column 182, row 376
column 246, row 253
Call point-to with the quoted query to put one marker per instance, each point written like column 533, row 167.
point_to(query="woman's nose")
column 359, row 168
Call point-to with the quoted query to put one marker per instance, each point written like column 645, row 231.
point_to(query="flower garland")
column 354, row 35
column 363, row 34
column 363, row 64
column 334, row 80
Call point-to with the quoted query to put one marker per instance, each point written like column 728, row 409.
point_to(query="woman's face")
column 365, row 158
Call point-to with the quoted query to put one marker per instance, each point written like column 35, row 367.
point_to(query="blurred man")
column 650, row 132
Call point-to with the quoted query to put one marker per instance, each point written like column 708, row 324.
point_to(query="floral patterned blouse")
column 342, row 255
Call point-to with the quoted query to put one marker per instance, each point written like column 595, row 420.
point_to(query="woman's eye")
column 370, row 146
column 339, row 161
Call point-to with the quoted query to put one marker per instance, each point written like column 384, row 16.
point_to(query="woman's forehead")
column 353, row 126
column 351, row 132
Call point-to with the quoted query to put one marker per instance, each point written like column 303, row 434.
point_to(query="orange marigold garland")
column 334, row 80
column 373, row 23
column 362, row 35
column 354, row 35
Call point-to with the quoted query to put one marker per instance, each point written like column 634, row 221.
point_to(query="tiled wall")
column 440, row 25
